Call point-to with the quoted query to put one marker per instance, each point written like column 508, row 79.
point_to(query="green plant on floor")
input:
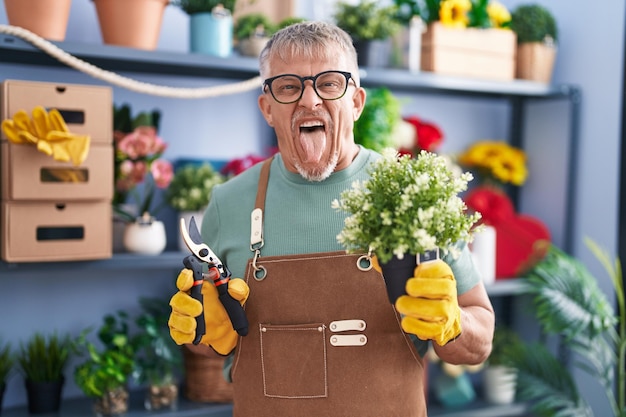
column 44, row 358
column 569, row 303
column 158, row 357
column 107, row 369
column 7, row 361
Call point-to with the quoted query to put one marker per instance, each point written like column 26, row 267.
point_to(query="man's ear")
column 265, row 106
column 359, row 102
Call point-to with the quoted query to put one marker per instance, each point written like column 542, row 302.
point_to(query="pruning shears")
column 218, row 272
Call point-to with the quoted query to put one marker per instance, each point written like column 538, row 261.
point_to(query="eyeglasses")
column 328, row 85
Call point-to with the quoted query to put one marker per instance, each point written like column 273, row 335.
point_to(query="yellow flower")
column 498, row 14
column 453, row 13
column 497, row 160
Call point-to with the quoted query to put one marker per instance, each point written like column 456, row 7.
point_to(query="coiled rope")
column 125, row 82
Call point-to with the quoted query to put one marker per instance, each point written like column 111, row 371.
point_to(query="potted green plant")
column 190, row 191
column 104, row 374
column 43, row 360
column 158, row 358
column 252, row 31
column 407, row 207
column 210, row 25
column 375, row 127
column 6, row 366
column 499, row 376
column 371, row 26
column 569, row 303
column 537, row 36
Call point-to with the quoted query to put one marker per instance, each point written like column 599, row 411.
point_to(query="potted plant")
column 568, row 303
column 375, row 127
column 158, row 358
column 6, row 366
column 371, row 27
column 190, row 191
column 43, row 360
column 210, row 25
column 499, row 376
column 407, row 207
column 252, row 31
column 104, row 374
column 46, row 18
column 537, row 35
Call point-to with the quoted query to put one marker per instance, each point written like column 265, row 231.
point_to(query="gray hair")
column 311, row 40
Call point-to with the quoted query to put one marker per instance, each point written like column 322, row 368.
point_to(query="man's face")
column 315, row 136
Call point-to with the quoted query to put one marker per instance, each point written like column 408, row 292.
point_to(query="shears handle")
column 233, row 308
column 193, row 263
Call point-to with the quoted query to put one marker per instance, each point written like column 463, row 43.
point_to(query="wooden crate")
column 469, row 52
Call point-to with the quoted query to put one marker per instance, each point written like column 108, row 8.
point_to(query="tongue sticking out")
column 313, row 144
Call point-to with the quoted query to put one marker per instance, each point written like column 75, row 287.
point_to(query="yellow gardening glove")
column 431, row 309
column 220, row 334
column 49, row 133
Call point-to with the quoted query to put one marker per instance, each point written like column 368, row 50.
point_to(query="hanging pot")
column 46, row 18
column 131, row 23
column 45, row 396
column 145, row 236
column 396, row 272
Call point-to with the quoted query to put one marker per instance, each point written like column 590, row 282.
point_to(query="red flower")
column 428, row 136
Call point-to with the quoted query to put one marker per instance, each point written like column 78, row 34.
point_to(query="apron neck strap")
column 256, row 225
column 263, row 180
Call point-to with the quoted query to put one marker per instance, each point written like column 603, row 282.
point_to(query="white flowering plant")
column 190, row 189
column 407, row 206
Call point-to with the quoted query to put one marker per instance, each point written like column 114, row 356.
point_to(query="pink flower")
column 162, row 173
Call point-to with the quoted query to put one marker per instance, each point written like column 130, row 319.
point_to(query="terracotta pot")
column 131, row 23
column 46, row 18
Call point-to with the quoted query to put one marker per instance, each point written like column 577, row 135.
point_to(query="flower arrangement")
column 138, row 151
column 496, row 162
column 190, row 189
column 456, row 13
column 407, row 206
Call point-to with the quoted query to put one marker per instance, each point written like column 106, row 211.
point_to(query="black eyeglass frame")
column 268, row 83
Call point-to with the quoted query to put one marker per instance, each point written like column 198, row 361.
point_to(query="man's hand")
column 431, row 309
column 220, row 334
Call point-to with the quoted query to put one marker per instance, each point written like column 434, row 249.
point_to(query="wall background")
column 590, row 56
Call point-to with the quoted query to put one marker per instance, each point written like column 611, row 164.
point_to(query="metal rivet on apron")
column 364, row 263
column 264, row 329
column 320, row 329
column 333, row 326
column 362, row 339
column 334, row 340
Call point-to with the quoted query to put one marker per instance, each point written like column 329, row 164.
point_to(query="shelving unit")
column 16, row 51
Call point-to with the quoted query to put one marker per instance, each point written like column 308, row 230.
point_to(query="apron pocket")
column 293, row 360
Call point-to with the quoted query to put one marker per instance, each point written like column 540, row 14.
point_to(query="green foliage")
column 380, row 116
column 505, row 341
column 6, row 361
column 289, row 21
column 203, row 6
column 533, row 23
column 109, row 368
column 569, row 303
column 123, row 121
column 253, row 25
column 190, row 189
column 367, row 20
column 157, row 356
column 43, row 359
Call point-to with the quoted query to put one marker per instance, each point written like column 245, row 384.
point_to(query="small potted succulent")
column 252, row 31
column 537, row 37
column 210, row 25
column 371, row 27
column 43, row 360
column 104, row 374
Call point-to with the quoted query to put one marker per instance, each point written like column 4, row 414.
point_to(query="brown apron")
column 324, row 341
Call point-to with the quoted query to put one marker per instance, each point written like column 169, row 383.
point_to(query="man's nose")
column 309, row 97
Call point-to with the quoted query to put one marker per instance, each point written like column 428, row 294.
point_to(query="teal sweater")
column 298, row 218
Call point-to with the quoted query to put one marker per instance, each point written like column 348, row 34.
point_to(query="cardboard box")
column 28, row 174
column 469, row 52
column 49, row 231
column 87, row 110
